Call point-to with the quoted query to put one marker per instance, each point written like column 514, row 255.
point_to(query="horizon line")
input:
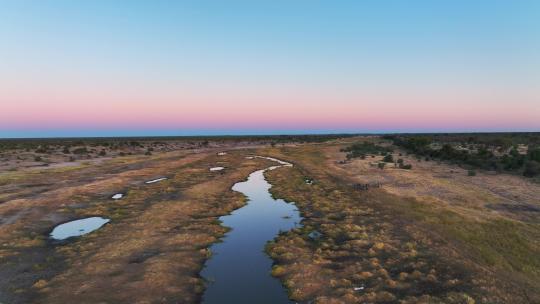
column 268, row 135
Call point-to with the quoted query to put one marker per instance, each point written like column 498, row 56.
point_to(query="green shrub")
column 388, row 158
column 532, row 169
column 534, row 154
column 82, row 150
column 363, row 148
column 471, row 173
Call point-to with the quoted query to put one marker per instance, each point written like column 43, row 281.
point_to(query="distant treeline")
column 504, row 140
column 477, row 150
column 35, row 143
column 362, row 149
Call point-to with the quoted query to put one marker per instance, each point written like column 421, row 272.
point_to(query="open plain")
column 430, row 234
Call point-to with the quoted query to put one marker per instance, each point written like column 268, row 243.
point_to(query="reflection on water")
column 78, row 227
column 155, row 180
column 117, row 196
column 239, row 270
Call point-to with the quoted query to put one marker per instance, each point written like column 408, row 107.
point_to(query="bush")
column 388, row 158
column 381, row 165
column 102, row 153
column 38, row 158
column 534, row 154
column 407, row 167
column 532, row 169
column 80, row 151
column 66, row 150
column 471, row 173
column 364, row 148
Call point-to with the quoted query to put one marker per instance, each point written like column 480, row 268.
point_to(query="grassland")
column 154, row 247
column 431, row 234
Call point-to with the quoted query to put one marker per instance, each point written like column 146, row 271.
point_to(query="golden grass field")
column 428, row 235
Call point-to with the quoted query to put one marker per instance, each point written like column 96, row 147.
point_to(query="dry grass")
column 430, row 235
column 154, row 247
column 494, row 254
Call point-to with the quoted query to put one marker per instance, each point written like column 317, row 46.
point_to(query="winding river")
column 239, row 269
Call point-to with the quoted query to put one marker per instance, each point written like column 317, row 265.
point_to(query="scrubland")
column 428, row 234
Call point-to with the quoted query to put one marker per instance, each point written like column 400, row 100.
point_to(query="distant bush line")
column 483, row 158
column 364, row 148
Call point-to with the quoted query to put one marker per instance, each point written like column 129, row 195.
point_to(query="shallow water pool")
column 78, row 227
column 155, row 180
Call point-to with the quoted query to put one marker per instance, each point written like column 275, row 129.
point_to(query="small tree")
column 82, row 150
column 388, row 158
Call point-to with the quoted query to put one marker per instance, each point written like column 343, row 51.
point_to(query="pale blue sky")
column 382, row 56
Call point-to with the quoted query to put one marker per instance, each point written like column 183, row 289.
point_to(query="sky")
column 129, row 68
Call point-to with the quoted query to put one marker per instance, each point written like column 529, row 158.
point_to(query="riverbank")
column 154, row 246
column 379, row 245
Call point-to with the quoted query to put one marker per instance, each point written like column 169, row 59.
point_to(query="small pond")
column 77, row 227
column 117, row 196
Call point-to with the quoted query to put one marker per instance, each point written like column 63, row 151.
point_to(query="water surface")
column 77, row 227
column 155, row 180
column 239, row 269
